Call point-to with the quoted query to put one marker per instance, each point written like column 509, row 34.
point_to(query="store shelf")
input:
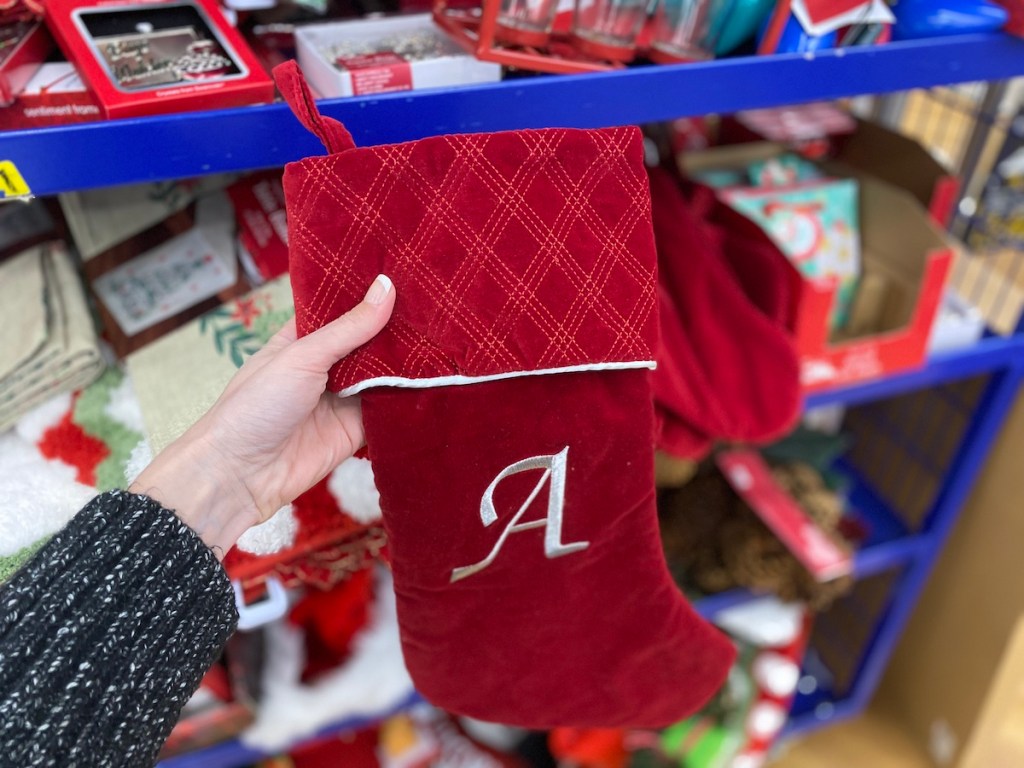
column 817, row 710
column 88, row 155
column 888, row 545
column 234, row 754
column 986, row 356
column 175, row 146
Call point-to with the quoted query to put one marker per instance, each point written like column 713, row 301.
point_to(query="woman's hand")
column 272, row 434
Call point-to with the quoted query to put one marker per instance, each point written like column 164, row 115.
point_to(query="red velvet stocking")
column 727, row 369
column 508, row 414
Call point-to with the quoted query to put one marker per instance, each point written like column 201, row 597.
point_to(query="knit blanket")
column 74, row 445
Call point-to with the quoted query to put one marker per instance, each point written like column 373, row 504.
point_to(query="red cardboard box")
column 906, row 260
column 258, row 200
column 750, row 477
column 152, row 57
column 25, row 47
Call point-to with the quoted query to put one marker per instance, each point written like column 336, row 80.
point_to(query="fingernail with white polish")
column 379, row 290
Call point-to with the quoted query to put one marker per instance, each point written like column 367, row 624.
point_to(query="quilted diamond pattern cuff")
column 513, row 253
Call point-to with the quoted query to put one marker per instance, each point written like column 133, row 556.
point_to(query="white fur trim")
column 458, row 380
column 372, row 684
column 33, row 425
column 272, row 535
column 502, row 738
column 140, row 458
column 39, row 496
column 352, row 486
column 124, row 406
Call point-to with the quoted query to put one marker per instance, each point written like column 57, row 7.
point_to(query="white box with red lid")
column 401, row 53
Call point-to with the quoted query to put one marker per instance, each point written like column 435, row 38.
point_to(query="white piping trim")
column 459, row 380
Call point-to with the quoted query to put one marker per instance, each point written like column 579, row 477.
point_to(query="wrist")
column 187, row 479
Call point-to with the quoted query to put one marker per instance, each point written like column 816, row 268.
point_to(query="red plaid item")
column 508, row 413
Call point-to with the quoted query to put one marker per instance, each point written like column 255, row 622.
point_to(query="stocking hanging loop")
column 293, row 86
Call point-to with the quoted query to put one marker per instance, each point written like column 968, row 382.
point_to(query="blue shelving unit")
column 893, row 547
column 997, row 367
column 98, row 154
column 86, row 155
column 888, row 545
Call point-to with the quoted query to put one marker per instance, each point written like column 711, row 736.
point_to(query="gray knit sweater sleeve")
column 105, row 634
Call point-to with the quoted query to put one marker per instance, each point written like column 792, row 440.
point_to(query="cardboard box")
column 906, row 259
column 154, row 56
column 26, row 46
column 901, row 161
column 55, row 95
column 258, row 200
column 877, row 151
column 351, row 58
column 995, row 740
column 955, row 680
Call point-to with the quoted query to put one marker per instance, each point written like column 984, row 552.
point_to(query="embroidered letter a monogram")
column 554, row 466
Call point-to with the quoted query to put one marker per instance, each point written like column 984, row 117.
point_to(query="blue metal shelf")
column 1001, row 391
column 888, row 545
column 87, row 155
column 817, row 710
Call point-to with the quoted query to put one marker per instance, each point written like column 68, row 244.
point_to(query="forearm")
column 106, row 633
column 190, row 477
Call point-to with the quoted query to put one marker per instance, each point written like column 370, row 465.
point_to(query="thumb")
column 327, row 345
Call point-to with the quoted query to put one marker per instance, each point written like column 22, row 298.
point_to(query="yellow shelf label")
column 11, row 182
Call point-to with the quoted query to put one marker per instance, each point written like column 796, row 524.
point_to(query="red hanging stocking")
column 727, row 369
column 508, row 415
